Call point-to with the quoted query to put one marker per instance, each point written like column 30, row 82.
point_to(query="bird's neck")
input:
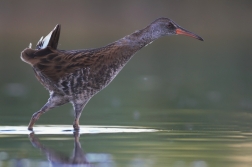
column 124, row 49
column 139, row 39
column 117, row 54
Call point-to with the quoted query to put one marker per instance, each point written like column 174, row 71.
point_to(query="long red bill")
column 188, row 33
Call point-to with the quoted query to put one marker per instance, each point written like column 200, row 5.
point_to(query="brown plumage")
column 77, row 75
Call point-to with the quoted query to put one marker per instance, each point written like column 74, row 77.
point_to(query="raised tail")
column 51, row 39
column 31, row 56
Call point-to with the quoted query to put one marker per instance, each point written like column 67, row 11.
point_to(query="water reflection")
column 78, row 158
column 65, row 129
column 56, row 152
column 188, row 138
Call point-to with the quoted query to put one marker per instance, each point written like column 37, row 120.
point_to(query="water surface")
column 194, row 138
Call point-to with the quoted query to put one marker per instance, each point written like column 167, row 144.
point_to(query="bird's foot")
column 76, row 127
column 30, row 128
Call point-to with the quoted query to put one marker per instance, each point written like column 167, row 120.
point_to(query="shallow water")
column 195, row 138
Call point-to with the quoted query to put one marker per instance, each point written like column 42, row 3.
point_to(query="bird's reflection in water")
column 58, row 159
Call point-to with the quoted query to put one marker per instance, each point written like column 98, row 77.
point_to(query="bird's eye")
column 170, row 25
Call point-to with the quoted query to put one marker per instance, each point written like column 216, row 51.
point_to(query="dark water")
column 182, row 138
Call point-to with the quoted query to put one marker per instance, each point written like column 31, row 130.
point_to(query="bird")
column 75, row 76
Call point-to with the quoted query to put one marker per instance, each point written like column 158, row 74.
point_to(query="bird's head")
column 165, row 27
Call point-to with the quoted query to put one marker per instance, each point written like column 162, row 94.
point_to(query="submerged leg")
column 78, row 109
column 54, row 101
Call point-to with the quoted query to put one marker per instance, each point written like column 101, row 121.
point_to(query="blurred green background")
column 175, row 72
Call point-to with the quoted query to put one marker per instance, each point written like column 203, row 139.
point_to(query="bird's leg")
column 53, row 101
column 78, row 109
column 37, row 114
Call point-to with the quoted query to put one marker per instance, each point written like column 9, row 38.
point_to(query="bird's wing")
column 55, row 64
column 52, row 63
